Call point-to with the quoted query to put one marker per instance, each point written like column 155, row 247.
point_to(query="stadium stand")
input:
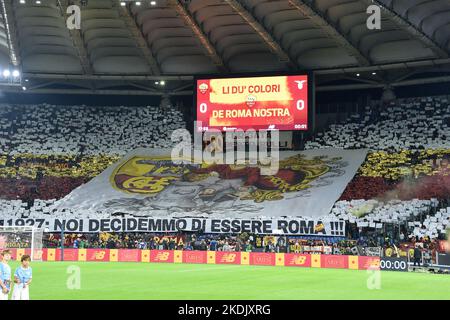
column 44, row 38
column 373, row 214
column 92, row 90
column 306, row 42
column 406, row 177
column 50, row 150
column 410, row 124
column 173, row 42
column 246, row 35
column 111, row 46
column 432, row 226
column 74, row 130
column 5, row 60
column 43, row 209
column 46, row 151
column 429, row 14
column 237, row 42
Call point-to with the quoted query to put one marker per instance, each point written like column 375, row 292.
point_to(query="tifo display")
column 192, row 149
column 381, row 203
column 407, row 186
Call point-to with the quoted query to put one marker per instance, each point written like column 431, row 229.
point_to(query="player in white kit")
column 22, row 279
column 5, row 274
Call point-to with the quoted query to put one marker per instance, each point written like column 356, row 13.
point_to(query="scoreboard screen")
column 271, row 102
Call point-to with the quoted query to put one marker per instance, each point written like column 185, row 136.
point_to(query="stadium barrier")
column 208, row 257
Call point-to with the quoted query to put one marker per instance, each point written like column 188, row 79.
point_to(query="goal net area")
column 28, row 238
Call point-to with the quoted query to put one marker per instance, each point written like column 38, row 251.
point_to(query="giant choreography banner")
column 146, row 183
column 167, row 225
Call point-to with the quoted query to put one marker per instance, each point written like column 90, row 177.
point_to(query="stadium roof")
column 125, row 46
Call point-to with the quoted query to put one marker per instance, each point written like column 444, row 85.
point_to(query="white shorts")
column 3, row 296
column 21, row 293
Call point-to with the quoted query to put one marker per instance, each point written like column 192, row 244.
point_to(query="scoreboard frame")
column 311, row 104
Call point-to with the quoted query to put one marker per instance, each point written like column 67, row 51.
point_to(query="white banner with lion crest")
column 147, row 183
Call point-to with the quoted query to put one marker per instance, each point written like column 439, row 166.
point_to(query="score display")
column 269, row 102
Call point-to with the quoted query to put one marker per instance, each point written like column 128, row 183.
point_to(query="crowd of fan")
column 414, row 124
column 147, row 241
column 46, row 151
column 368, row 244
column 85, row 130
column 411, row 124
column 420, row 218
column 43, row 209
column 201, row 242
column 406, row 178
column 404, row 175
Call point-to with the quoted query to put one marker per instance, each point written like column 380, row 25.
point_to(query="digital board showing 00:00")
column 274, row 102
column 393, row 264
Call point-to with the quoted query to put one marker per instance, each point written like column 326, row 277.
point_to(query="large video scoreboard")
column 267, row 102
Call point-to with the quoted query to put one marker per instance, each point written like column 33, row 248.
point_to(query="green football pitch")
column 121, row 280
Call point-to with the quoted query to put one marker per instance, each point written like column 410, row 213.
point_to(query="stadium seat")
column 172, row 42
column 44, row 38
column 110, row 44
